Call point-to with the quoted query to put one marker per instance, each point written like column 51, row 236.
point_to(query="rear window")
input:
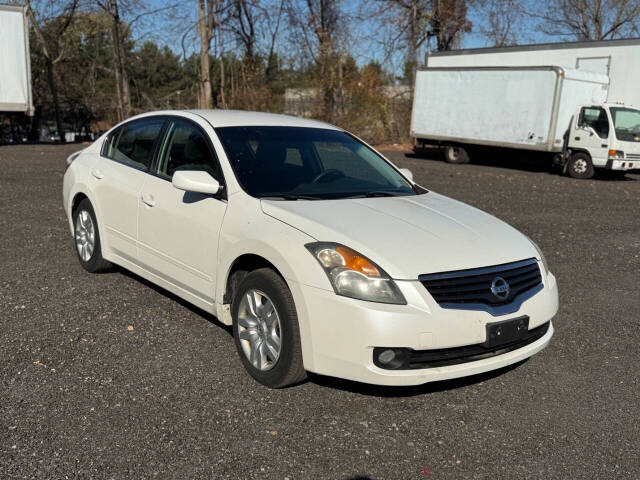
column 134, row 142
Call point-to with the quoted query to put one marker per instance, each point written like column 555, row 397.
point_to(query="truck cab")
column 603, row 136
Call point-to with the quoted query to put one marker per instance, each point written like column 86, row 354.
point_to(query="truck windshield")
column 292, row 163
column 626, row 122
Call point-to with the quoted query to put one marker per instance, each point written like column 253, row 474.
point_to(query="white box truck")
column 15, row 64
column 618, row 59
column 544, row 108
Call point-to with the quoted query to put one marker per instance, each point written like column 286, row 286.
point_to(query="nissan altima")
column 320, row 253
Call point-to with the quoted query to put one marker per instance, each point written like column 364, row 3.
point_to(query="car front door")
column 117, row 180
column 177, row 230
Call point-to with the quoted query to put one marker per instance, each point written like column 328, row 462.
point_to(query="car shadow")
column 189, row 306
column 408, row 391
column 513, row 159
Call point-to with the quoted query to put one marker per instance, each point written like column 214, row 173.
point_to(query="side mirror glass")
column 195, row 181
column 407, row 173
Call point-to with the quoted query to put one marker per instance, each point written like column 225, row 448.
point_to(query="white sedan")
column 322, row 255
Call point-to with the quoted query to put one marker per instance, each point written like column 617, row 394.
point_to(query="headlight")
column 354, row 275
column 616, row 154
column 542, row 259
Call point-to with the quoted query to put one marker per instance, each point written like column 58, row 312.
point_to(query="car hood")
column 410, row 235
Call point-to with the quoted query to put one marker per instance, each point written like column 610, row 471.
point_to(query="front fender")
column 248, row 230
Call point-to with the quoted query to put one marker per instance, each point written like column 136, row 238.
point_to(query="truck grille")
column 633, row 156
column 497, row 285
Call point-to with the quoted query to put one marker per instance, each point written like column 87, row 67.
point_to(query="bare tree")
column 418, row 21
column 411, row 18
column 245, row 14
column 588, row 19
column 53, row 50
column 206, row 24
column 122, row 78
column 501, row 21
column 448, row 22
column 318, row 26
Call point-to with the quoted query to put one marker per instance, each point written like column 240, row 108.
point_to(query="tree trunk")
column 206, row 91
column 122, row 79
column 51, row 80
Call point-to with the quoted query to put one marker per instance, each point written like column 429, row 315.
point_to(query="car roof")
column 239, row 118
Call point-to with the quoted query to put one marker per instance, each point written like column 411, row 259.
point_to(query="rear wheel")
column 580, row 166
column 87, row 238
column 265, row 329
column 453, row 154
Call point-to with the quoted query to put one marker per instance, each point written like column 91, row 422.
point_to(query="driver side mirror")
column 407, row 173
column 195, row 181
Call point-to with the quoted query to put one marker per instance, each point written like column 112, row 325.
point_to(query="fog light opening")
column 390, row 358
column 386, row 356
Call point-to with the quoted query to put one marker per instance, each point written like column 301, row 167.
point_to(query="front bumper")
column 339, row 334
column 622, row 164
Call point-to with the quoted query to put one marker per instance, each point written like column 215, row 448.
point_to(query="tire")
column 86, row 233
column 580, row 166
column 255, row 333
column 457, row 155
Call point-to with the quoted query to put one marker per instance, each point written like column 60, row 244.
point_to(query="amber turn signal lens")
column 357, row 262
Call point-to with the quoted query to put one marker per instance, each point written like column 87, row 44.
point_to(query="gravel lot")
column 107, row 376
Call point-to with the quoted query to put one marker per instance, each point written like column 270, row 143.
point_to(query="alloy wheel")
column 85, row 235
column 259, row 330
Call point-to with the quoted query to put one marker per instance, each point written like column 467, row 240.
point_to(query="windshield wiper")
column 378, row 193
column 291, row 197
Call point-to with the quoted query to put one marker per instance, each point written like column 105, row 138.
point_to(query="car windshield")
column 292, row 163
column 626, row 122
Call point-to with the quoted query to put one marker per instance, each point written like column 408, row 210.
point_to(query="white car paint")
column 150, row 227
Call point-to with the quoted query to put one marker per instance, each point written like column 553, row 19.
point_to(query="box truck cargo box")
column 15, row 65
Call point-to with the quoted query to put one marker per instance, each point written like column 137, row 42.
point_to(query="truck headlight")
column 616, row 154
column 354, row 275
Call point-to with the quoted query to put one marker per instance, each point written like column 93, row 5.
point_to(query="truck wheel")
column 456, row 155
column 580, row 166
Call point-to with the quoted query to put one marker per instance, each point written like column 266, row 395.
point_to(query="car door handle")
column 147, row 198
column 97, row 174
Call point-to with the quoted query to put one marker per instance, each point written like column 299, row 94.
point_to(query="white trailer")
column 542, row 108
column 619, row 59
column 15, row 64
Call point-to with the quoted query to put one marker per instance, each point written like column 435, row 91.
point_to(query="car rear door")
column 117, row 181
column 178, row 230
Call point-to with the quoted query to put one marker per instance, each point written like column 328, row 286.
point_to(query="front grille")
column 474, row 286
column 633, row 156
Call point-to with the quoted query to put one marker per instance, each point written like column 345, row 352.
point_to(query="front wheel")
column 580, row 166
column 87, row 238
column 265, row 329
column 454, row 154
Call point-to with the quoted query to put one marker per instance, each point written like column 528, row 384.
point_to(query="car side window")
column 596, row 118
column 186, row 148
column 133, row 143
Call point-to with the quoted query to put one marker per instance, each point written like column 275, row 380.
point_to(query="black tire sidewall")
column 96, row 262
column 588, row 173
column 463, row 155
column 272, row 285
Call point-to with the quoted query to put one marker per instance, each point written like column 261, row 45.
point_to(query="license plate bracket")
column 506, row 331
